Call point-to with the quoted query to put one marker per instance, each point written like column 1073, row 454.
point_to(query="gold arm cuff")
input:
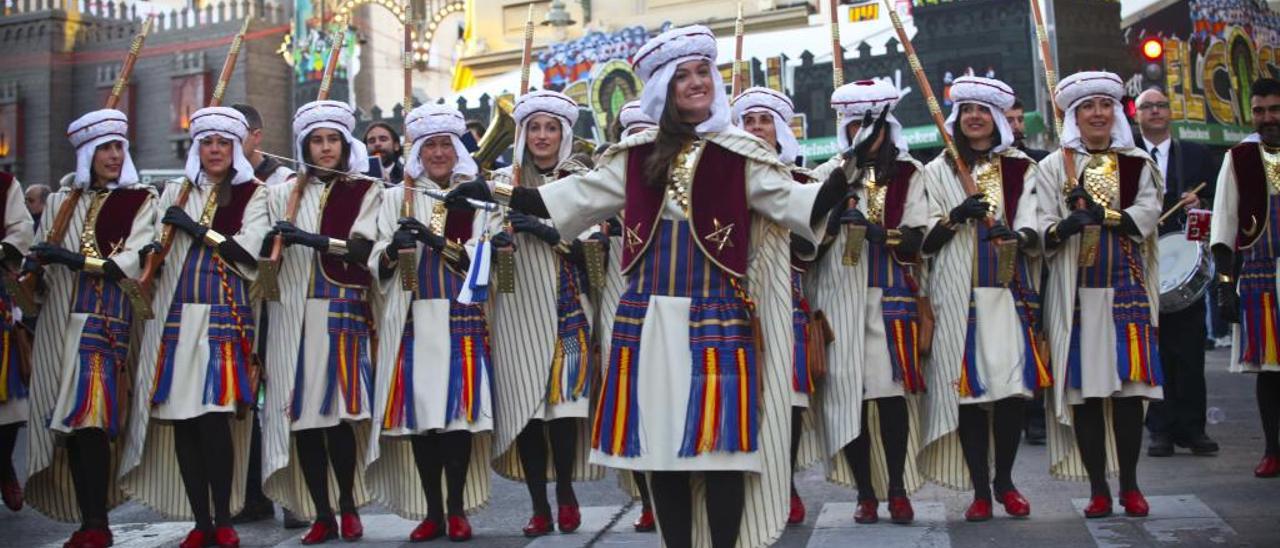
column 337, row 247
column 94, row 265
column 502, row 193
column 452, row 251
column 213, row 238
column 563, row 248
column 893, row 237
column 1224, row 278
column 1111, row 217
column 1053, row 232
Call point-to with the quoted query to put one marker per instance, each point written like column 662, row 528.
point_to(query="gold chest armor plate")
column 682, row 171
column 1271, row 166
column 875, row 195
column 210, row 206
column 986, row 174
column 438, row 213
column 1102, row 178
column 89, row 235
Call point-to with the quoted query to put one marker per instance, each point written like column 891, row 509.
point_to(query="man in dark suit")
column 384, row 143
column 1178, row 419
column 1017, row 120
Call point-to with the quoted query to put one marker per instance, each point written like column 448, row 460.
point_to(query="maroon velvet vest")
column 895, row 201
column 339, row 214
column 719, row 213
column 1013, row 173
column 1251, row 187
column 115, row 219
column 228, row 218
column 1130, row 177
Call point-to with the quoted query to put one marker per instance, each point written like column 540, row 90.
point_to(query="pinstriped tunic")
column 149, row 469
column 842, row 293
column 524, row 342
column 17, row 233
column 282, row 478
column 392, row 471
column 49, row 487
column 579, row 201
column 997, row 313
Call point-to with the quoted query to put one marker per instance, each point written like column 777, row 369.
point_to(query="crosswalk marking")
column 594, row 520
column 623, row 534
column 390, row 528
column 1174, row 520
column 835, row 528
column 144, row 535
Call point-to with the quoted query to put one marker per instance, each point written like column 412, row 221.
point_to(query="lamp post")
column 559, row 18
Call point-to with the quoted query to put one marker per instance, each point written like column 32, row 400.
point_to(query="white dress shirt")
column 1160, row 153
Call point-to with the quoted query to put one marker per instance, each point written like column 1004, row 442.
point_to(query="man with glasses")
column 1180, row 418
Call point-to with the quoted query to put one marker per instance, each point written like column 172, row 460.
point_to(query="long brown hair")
column 673, row 133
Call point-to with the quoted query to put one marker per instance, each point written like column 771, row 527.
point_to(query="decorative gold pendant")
column 1271, row 166
column 632, row 237
column 720, row 236
column 1102, row 178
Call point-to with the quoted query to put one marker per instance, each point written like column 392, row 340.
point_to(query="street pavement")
column 1195, row 501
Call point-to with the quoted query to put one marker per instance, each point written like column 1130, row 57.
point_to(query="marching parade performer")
column 684, row 389
column 197, row 353
column 319, row 359
column 80, row 369
column 433, row 409
column 1249, row 188
column 767, row 114
column 985, row 363
column 1101, row 300
column 15, row 364
column 868, row 291
column 542, row 331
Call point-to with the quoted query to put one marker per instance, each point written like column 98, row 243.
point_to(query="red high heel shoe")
column 322, row 530
column 226, row 537
column 1268, row 467
column 459, row 528
column 900, row 510
column 867, row 512
column 352, row 529
column 569, row 518
column 92, row 538
column 645, row 523
column 1099, row 507
column 11, row 492
column 428, row 529
column 1135, row 505
column 539, row 524
column 197, row 538
column 1015, row 504
column 796, row 515
column 979, row 510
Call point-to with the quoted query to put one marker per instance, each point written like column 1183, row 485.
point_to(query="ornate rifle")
column 504, row 259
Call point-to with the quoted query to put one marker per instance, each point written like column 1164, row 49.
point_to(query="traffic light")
column 1152, row 52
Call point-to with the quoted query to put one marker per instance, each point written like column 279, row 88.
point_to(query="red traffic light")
column 1152, row 48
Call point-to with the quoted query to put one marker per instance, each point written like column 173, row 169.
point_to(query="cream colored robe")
column 841, row 292
column 49, row 488
column 1061, row 295
column 1000, row 342
column 578, row 202
column 149, row 470
column 17, row 233
column 392, row 471
column 281, row 476
column 1226, row 199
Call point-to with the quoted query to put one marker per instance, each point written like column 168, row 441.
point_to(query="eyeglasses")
column 1154, row 106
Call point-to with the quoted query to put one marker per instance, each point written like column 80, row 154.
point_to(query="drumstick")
column 1180, row 205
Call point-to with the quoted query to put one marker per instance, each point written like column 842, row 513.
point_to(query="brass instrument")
column 500, row 134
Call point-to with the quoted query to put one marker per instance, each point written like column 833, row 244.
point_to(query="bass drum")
column 1185, row 271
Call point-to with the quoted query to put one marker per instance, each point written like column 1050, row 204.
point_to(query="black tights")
column 447, row 452
column 8, row 439
column 1268, row 393
column 646, row 501
column 532, row 444
column 203, row 446
column 726, row 496
column 975, row 439
column 797, row 427
column 315, row 459
column 89, row 453
column 893, row 431
column 1091, row 437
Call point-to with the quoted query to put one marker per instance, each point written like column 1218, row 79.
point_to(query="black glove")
column 295, row 236
column 1000, row 232
column 521, row 222
column 502, row 239
column 1096, row 211
column 1073, row 224
column 51, row 254
column 475, row 190
column 1228, row 303
column 403, row 238
column 178, row 218
column 862, row 149
column 876, row 234
column 422, row 233
column 268, row 243
column 972, row 207
column 613, row 227
column 153, row 247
